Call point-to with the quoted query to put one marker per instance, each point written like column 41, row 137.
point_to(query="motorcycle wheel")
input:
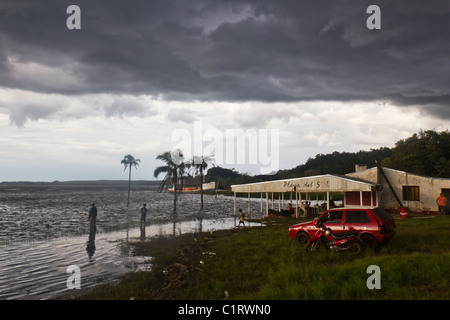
column 355, row 247
column 312, row 247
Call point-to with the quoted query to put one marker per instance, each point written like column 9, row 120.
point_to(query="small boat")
column 206, row 186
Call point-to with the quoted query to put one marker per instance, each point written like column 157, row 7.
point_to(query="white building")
column 403, row 189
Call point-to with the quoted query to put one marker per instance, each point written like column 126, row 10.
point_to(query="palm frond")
column 161, row 169
column 129, row 160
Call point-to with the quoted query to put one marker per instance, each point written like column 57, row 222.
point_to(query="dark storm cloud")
column 233, row 50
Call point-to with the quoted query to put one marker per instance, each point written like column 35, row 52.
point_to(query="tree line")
column 425, row 153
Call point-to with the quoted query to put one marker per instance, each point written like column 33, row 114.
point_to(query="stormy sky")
column 74, row 102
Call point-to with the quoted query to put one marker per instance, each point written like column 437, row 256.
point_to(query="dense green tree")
column 225, row 177
column 426, row 153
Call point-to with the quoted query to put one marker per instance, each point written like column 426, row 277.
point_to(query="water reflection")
column 90, row 244
column 142, row 229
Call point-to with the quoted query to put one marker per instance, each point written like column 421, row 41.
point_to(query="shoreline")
column 229, row 264
column 44, row 276
column 178, row 258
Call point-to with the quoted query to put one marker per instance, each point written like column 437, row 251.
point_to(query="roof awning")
column 322, row 183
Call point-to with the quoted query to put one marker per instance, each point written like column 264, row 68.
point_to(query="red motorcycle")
column 343, row 241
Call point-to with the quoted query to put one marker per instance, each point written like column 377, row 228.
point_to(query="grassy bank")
column 264, row 263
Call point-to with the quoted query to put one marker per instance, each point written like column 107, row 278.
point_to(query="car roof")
column 352, row 208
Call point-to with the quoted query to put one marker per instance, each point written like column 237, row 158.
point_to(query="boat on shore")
column 206, row 186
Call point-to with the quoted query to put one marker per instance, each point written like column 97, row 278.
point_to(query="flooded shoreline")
column 43, row 231
column 38, row 270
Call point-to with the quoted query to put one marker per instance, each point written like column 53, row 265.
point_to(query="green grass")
column 264, row 263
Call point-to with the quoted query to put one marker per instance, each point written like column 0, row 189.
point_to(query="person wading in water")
column 92, row 217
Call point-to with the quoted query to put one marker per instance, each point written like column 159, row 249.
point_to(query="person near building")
column 442, row 203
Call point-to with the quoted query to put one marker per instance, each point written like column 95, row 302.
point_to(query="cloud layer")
column 74, row 102
column 232, row 51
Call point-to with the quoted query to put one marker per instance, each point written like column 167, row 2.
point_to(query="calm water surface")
column 43, row 231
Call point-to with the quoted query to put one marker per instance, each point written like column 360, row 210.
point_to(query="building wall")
column 428, row 189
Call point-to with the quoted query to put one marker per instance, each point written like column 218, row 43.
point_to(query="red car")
column 375, row 224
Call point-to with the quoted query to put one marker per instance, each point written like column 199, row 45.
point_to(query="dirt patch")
column 188, row 261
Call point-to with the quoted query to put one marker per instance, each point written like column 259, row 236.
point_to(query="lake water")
column 44, row 230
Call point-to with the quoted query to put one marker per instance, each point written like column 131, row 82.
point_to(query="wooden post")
column 248, row 205
column 371, row 197
column 328, row 200
column 261, row 203
column 279, row 202
column 272, row 200
column 300, row 199
column 235, row 208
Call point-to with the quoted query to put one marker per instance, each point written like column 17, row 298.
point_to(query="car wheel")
column 312, row 247
column 303, row 238
column 369, row 241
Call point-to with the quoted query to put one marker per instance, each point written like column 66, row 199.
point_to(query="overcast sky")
column 137, row 73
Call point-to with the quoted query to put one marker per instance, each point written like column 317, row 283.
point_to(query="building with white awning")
column 310, row 188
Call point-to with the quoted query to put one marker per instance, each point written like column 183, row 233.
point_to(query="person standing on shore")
column 143, row 214
column 241, row 218
column 92, row 217
column 442, row 203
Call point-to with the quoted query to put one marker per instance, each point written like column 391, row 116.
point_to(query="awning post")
column 261, row 203
column 248, row 205
column 328, row 200
column 235, row 208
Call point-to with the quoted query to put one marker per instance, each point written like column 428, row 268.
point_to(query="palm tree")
column 173, row 162
column 129, row 161
column 200, row 164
